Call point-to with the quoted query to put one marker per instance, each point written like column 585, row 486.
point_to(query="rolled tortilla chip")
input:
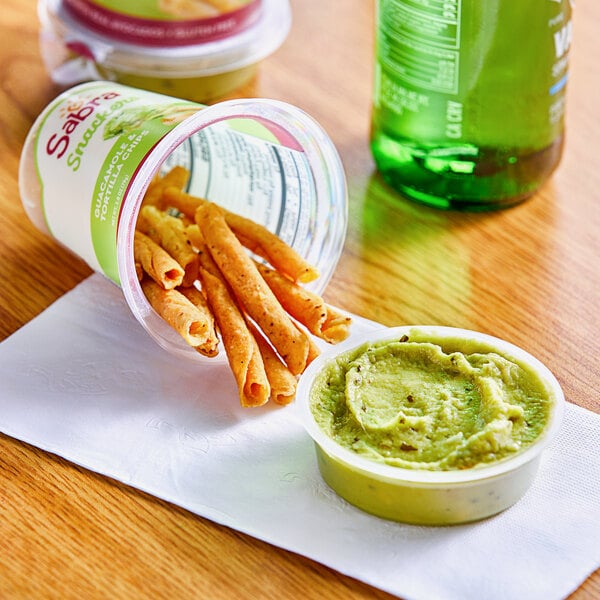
column 274, row 250
column 313, row 350
column 210, row 347
column 183, row 219
column 191, row 323
column 307, row 307
column 194, row 236
column 153, row 194
column 255, row 237
column 243, row 353
column 251, row 290
column 185, row 203
column 169, row 232
column 283, row 383
column 177, row 177
column 207, row 262
column 157, row 262
column 139, row 270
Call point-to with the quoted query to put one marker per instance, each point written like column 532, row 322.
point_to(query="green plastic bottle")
column 469, row 98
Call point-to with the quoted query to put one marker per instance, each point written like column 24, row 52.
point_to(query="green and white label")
column 88, row 147
column 93, row 140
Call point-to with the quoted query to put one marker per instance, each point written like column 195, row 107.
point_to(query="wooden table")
column 528, row 274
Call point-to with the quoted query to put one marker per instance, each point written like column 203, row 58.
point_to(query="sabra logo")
column 76, row 112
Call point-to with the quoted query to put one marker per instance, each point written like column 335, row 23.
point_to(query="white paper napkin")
column 84, row 381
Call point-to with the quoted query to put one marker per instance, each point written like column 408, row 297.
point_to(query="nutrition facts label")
column 420, row 42
column 268, row 183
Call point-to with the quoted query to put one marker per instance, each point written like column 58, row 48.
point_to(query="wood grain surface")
column 529, row 274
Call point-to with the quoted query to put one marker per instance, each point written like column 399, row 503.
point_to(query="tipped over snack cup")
column 92, row 154
column 429, row 425
column 197, row 50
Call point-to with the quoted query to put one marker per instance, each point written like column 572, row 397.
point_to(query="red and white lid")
column 164, row 22
column 147, row 41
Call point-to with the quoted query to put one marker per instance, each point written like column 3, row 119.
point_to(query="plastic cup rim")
column 425, row 477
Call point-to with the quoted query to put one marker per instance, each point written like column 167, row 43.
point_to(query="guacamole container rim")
column 423, row 496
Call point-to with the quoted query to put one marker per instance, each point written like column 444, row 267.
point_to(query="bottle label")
column 428, row 36
column 464, row 71
column 165, row 22
column 92, row 142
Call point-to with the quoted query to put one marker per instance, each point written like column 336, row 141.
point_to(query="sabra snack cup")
column 92, row 153
column 194, row 49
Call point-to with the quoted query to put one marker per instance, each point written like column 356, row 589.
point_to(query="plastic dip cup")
column 417, row 495
column 92, row 153
column 186, row 50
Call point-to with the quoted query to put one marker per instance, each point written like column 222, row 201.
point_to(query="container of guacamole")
column 429, row 425
column 199, row 50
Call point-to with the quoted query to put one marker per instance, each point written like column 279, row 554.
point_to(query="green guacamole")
column 430, row 404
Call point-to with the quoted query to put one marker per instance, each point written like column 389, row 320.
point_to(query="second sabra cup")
column 198, row 50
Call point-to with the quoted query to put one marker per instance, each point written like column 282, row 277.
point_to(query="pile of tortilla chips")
column 219, row 278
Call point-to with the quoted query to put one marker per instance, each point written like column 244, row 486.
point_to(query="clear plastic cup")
column 196, row 59
column 91, row 154
column 418, row 495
